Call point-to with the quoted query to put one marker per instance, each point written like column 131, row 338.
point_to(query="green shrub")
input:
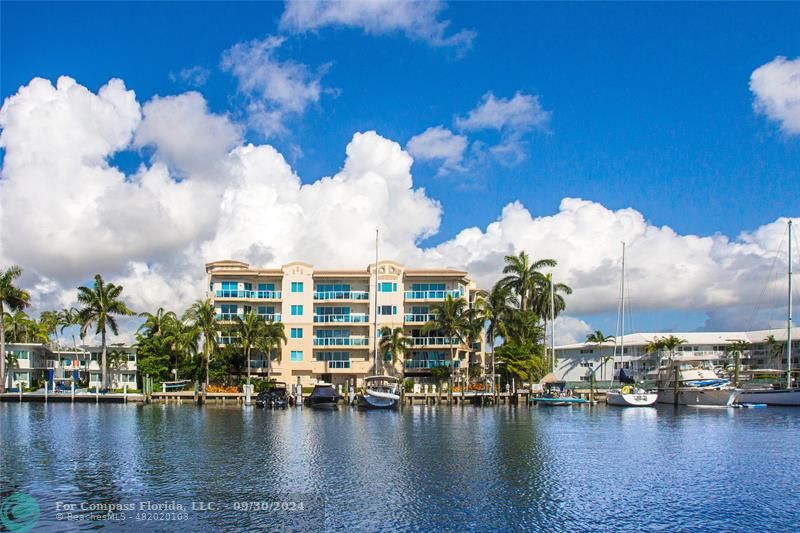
column 408, row 385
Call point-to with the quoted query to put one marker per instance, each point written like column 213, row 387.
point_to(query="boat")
column 276, row 397
column 379, row 392
column 788, row 396
column 627, row 395
column 324, row 396
column 555, row 395
column 695, row 385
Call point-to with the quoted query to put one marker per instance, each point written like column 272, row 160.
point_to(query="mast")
column 622, row 305
column 552, row 325
column 375, row 339
column 789, row 319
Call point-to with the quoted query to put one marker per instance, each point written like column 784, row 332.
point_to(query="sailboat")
column 790, row 396
column 627, row 395
column 379, row 391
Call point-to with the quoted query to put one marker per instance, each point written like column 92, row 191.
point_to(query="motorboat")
column 770, row 396
column 629, row 396
column 379, row 392
column 555, row 394
column 324, row 396
column 276, row 397
column 695, row 386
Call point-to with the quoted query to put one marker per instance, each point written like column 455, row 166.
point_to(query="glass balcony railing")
column 435, row 363
column 342, row 319
column 340, row 341
column 258, row 363
column 432, row 295
column 341, row 295
column 410, row 317
column 250, row 295
column 226, row 340
column 337, row 364
column 226, row 316
column 274, row 317
column 435, row 341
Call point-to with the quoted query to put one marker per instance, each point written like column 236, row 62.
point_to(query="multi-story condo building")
column 35, row 363
column 766, row 350
column 330, row 317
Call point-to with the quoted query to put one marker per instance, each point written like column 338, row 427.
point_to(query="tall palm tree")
column 250, row 329
column 117, row 361
column 67, row 318
column 11, row 364
column 100, row 304
column 496, row 306
column 598, row 338
column 449, row 319
column 541, row 304
column 17, row 326
column 14, row 299
column 736, row 351
column 395, row 343
column 522, row 276
column 184, row 339
column 48, row 320
column 202, row 315
column 156, row 324
column 274, row 335
column 670, row 343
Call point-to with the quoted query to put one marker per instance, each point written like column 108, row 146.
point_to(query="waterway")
column 579, row 468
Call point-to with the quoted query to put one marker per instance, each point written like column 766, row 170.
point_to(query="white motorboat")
column 695, row 386
column 630, row 397
column 380, row 392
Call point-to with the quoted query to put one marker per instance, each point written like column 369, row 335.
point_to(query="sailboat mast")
column 789, row 319
column 622, row 319
column 375, row 338
column 552, row 325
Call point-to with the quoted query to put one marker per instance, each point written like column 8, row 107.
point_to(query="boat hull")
column 558, row 402
column 785, row 397
column 721, row 397
column 631, row 399
column 324, row 406
column 369, row 401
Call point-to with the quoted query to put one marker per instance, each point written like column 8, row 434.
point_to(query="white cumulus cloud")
column 66, row 213
column 417, row 20
column 439, row 143
column 776, row 87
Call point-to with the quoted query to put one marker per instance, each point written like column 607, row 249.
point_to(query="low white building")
column 575, row 362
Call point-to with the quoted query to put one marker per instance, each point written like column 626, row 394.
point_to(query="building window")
column 229, row 309
column 297, row 310
column 387, row 286
column 427, row 287
column 587, row 351
column 297, row 355
column 266, row 287
column 297, row 286
column 334, row 359
column 248, row 287
column 297, row 333
column 387, row 309
column 266, row 310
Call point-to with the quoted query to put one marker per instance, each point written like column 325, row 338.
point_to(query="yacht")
column 379, row 392
column 324, row 396
column 695, row 385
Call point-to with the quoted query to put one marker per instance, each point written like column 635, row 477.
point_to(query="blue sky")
column 649, row 103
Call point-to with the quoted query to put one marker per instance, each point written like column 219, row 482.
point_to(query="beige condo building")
column 330, row 317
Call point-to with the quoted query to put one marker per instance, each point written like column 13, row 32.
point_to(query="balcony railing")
column 258, row 363
column 274, row 317
column 410, row 317
column 225, row 340
column 340, row 341
column 337, row 365
column 436, row 341
column 341, row 319
column 341, row 295
column 432, row 295
column 250, row 295
column 418, row 363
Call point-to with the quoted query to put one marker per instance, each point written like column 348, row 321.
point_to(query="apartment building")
column 35, row 363
column 766, row 351
column 330, row 316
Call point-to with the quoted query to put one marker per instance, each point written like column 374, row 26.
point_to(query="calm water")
column 423, row 468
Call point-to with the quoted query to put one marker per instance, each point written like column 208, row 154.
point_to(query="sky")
column 141, row 140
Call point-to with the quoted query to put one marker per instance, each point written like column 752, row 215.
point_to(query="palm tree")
column 496, row 306
column 11, row 363
column 184, row 339
column 17, row 326
column 48, row 320
column 14, row 299
column 100, row 304
column 670, row 343
column 774, row 347
column 68, row 318
column 117, row 360
column 203, row 316
column 736, row 351
column 541, row 303
column 393, row 342
column 274, row 335
column 598, row 338
column 156, row 324
column 448, row 318
column 250, row 330
column 522, row 276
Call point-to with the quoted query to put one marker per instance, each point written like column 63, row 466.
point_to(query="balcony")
column 274, row 317
column 411, row 364
column 436, row 341
column 225, row 317
column 432, row 295
column 341, row 295
column 418, row 319
column 226, row 340
column 340, row 341
column 250, row 295
column 258, row 364
column 229, row 317
column 333, row 366
column 352, row 318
